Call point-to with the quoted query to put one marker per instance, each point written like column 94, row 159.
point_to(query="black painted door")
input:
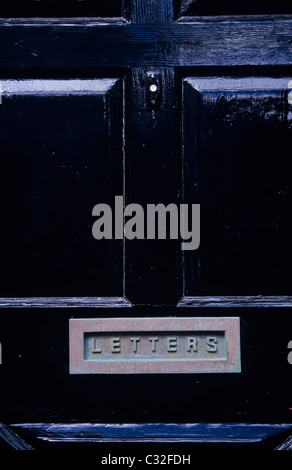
column 80, row 125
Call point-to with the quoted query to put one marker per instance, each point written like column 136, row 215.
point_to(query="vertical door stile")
column 152, row 168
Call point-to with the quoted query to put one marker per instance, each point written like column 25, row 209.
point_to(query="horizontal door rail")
column 154, row 432
column 118, row 302
column 237, row 301
column 46, row 43
column 64, row 302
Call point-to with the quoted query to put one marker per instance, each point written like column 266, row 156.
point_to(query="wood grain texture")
column 155, row 432
column 61, row 8
column 35, row 346
column 12, row 439
column 152, row 176
column 185, row 6
column 286, row 445
column 154, row 11
column 64, row 302
column 237, row 301
column 233, row 129
column 61, row 175
column 64, row 44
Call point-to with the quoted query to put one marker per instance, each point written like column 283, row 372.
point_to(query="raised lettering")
column 115, row 345
column 153, row 340
column 171, row 344
column 212, row 344
column 135, row 341
column 192, row 342
column 95, row 349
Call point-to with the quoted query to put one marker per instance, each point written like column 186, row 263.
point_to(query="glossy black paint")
column 215, row 148
column 148, row 165
column 61, row 154
column 62, row 44
column 228, row 7
column 41, row 389
column 236, row 137
column 60, row 8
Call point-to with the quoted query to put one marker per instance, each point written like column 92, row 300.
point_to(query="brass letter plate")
column 154, row 345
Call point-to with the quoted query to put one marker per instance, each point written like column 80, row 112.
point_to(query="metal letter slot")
column 154, row 345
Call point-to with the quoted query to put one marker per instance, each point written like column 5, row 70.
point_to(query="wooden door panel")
column 61, row 154
column 237, row 166
column 229, row 7
column 68, row 145
column 56, row 8
column 153, row 266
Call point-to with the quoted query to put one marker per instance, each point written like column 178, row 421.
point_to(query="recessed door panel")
column 61, row 8
column 229, row 7
column 61, row 154
column 237, row 133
